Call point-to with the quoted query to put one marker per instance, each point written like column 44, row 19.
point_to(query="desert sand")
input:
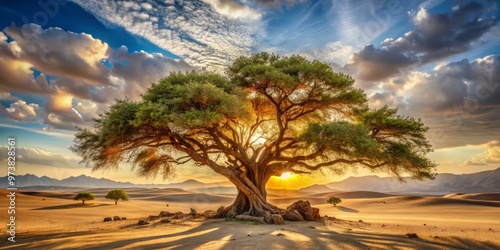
column 364, row 220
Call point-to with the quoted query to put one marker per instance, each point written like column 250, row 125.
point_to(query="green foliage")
column 117, row 194
column 334, row 200
column 85, row 196
column 195, row 104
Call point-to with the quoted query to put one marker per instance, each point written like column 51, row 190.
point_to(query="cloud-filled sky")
column 63, row 62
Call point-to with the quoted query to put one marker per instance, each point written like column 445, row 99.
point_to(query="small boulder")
column 280, row 234
column 142, row 222
column 153, row 217
column 165, row 221
column 107, row 219
column 274, row 219
column 305, row 209
column 312, row 214
column 411, row 235
column 292, row 215
column 178, row 215
column 360, row 220
column 124, row 218
column 164, row 214
column 117, row 218
column 301, row 206
column 311, row 227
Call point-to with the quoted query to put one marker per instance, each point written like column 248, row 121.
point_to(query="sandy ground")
column 51, row 220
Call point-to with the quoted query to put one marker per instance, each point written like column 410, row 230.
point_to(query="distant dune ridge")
column 480, row 182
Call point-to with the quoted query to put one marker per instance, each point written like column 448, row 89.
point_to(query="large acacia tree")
column 267, row 115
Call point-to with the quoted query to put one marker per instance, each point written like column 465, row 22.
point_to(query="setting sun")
column 285, row 175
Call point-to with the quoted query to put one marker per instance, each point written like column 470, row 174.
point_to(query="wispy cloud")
column 68, row 135
column 38, row 156
column 205, row 35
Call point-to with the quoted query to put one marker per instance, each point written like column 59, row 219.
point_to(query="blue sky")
column 63, row 62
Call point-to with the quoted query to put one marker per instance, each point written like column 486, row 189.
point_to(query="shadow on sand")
column 346, row 209
column 76, row 205
column 217, row 234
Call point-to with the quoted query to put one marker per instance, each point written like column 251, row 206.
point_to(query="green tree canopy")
column 116, row 195
column 267, row 115
column 334, row 200
column 85, row 196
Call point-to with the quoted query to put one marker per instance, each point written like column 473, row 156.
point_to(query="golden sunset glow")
column 286, row 175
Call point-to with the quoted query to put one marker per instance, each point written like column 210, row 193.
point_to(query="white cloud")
column 21, row 111
column 7, row 96
column 489, row 157
column 146, row 6
column 141, row 70
column 58, row 52
column 234, row 9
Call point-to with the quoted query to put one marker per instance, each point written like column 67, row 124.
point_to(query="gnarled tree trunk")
column 251, row 199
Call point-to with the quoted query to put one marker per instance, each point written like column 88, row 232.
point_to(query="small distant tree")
column 334, row 200
column 117, row 194
column 84, row 197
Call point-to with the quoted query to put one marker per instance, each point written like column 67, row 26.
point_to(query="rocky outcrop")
column 304, row 209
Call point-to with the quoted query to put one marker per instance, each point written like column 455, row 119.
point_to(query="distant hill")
column 485, row 181
column 73, row 181
column 84, row 181
column 188, row 184
column 316, row 188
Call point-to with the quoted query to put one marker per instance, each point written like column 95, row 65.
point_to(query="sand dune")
column 51, row 220
column 353, row 194
column 182, row 198
column 432, row 201
column 487, row 196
